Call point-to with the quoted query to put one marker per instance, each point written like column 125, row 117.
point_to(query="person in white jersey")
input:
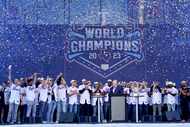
column 85, row 91
column 14, row 99
column 60, row 91
column 107, row 109
column 143, row 100
column 43, row 97
column 126, row 92
column 97, row 93
column 156, row 97
column 73, row 97
column 51, row 104
column 170, row 96
column 132, row 100
column 7, row 93
column 30, row 99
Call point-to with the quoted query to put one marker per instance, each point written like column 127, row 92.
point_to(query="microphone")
column 10, row 67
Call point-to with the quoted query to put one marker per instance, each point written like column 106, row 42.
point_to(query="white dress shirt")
column 85, row 96
column 106, row 89
column 126, row 91
column 143, row 99
column 15, row 94
column 49, row 94
column 170, row 99
column 36, row 96
column 156, row 97
column 7, row 93
column 30, row 93
column 43, row 93
column 95, row 99
column 177, row 99
column 73, row 99
column 60, row 92
column 23, row 92
column 132, row 99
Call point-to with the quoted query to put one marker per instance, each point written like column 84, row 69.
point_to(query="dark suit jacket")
column 118, row 90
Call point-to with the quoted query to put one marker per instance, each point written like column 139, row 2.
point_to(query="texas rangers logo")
column 103, row 49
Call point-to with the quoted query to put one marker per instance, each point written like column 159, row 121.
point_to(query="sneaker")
column 104, row 121
column 183, row 121
column 44, row 122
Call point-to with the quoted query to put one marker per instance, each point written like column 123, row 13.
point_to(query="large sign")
column 104, row 49
column 96, row 52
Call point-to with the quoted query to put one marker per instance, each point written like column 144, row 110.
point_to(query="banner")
column 103, row 50
column 95, row 52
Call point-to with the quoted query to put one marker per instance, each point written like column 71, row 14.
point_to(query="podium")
column 118, row 107
column 118, row 103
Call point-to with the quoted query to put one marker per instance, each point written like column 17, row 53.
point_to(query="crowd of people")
column 44, row 100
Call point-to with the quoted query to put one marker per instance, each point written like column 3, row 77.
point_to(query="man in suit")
column 116, row 89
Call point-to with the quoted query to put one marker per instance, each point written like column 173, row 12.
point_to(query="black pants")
column 22, row 113
column 143, row 111
column 184, row 110
column 5, row 114
column 1, row 110
column 131, row 112
column 86, row 110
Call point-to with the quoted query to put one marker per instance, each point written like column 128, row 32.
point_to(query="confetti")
column 32, row 36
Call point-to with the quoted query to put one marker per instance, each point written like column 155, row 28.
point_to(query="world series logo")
column 103, row 49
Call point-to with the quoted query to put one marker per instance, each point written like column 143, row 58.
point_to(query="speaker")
column 66, row 117
column 94, row 119
column 177, row 116
column 147, row 118
column 118, row 108
column 174, row 115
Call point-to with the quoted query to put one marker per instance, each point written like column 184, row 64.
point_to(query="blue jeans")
column 12, row 115
column 73, row 108
column 143, row 111
column 131, row 112
column 107, row 111
column 43, row 110
column 171, row 107
column 51, row 109
column 157, row 107
column 31, row 108
column 61, row 107
column 95, row 111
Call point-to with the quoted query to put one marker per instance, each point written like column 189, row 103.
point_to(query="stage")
column 107, row 125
